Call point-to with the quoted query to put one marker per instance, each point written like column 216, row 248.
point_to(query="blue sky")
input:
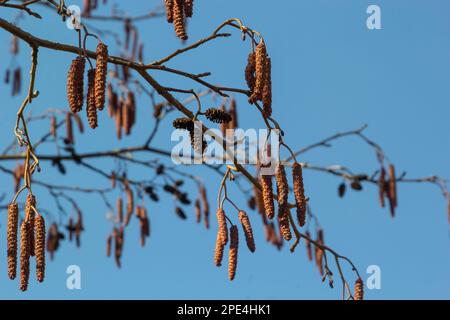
column 330, row 74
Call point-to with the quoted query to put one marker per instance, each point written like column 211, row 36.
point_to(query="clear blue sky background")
column 330, row 74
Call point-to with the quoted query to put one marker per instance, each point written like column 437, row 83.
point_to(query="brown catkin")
column 382, row 186
column 53, row 126
column 108, row 245
column 91, row 109
column 359, row 290
column 69, row 129
column 119, row 209
column 178, row 19
column 13, row 221
column 189, row 8
column 223, row 229
column 218, row 253
column 283, row 221
column 205, row 205
column 75, row 84
column 233, row 253
column 267, row 88
column 393, row 185
column 40, row 247
column 299, row 193
column 260, row 65
column 31, row 216
column 100, row 75
column 78, row 122
column 198, row 211
column 130, row 200
column 248, row 232
column 24, row 255
column 233, row 112
column 119, row 120
column 250, row 71
column 282, row 185
column 267, row 195
column 308, row 246
column 169, row 10
column 319, row 252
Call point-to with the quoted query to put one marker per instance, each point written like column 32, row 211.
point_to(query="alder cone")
column 13, row 221
column 30, row 214
column 267, row 195
column 178, row 19
column 24, row 255
column 218, row 254
column 75, row 84
column 223, row 229
column 299, row 193
column 250, row 71
column 248, row 232
column 100, row 75
column 169, row 10
column 40, row 248
column 267, row 88
column 233, row 253
column 359, row 290
column 91, row 108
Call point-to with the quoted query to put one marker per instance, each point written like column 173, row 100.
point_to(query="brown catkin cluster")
column 233, row 112
column 217, row 115
column 178, row 19
column 267, row 195
column 262, row 90
column 144, row 223
column 24, row 255
column 75, row 84
column 100, row 75
column 359, row 290
column 13, row 221
column 40, row 248
column 108, row 245
column 283, row 221
column 91, row 109
column 250, row 70
column 248, row 232
column 233, row 253
column 299, row 193
column 30, row 214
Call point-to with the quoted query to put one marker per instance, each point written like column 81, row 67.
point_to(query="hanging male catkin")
column 169, row 10
column 233, row 253
column 233, row 112
column 250, row 71
column 53, row 126
column 359, row 290
column 282, row 185
column 69, row 129
column 299, row 193
column 40, row 247
column 189, row 8
column 248, row 232
column 13, row 220
column 30, row 214
column 75, row 84
column 260, row 65
column 393, row 185
column 24, row 255
column 267, row 195
column 205, row 205
column 100, row 75
column 382, row 187
column 198, row 211
column 283, row 221
column 267, row 88
column 178, row 19
column 222, row 222
column 119, row 209
column 308, row 246
column 218, row 253
column 91, row 108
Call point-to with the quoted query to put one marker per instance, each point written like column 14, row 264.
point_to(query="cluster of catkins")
column 32, row 242
column 258, row 75
column 177, row 11
column 223, row 237
column 95, row 97
column 123, row 110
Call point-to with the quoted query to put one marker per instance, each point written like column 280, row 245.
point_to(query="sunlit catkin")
column 169, row 10
column 198, row 211
column 40, row 247
column 267, row 195
column 283, row 221
column 393, row 185
column 178, row 19
column 267, row 88
column 189, row 8
column 30, row 214
column 250, row 71
column 75, row 84
column 91, row 109
column 13, row 221
column 248, row 232
column 260, row 65
column 299, row 193
column 100, row 75
column 282, row 185
column 382, row 186
column 233, row 253
column 24, row 255
column 218, row 253
column 119, row 209
column 359, row 290
column 222, row 223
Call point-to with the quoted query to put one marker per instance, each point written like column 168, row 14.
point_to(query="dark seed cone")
column 382, row 187
column 267, row 195
column 267, row 89
column 250, row 71
column 218, row 253
column 24, row 255
column 299, row 193
column 100, row 75
column 223, row 229
column 91, row 109
column 283, row 221
column 75, row 84
column 248, row 232
column 183, row 123
column 217, row 115
column 13, row 221
column 69, row 129
column 189, row 8
column 178, row 19
column 169, row 10
column 359, row 290
column 233, row 253
column 29, row 212
column 40, row 248
column 309, row 246
column 260, row 65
